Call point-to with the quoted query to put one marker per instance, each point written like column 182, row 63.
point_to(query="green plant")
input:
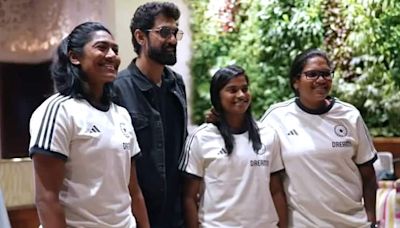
column 374, row 87
column 361, row 36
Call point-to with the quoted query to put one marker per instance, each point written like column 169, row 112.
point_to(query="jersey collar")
column 316, row 111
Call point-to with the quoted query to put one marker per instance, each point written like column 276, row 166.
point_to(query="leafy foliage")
column 264, row 36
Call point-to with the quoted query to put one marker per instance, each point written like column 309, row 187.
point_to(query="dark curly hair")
column 144, row 17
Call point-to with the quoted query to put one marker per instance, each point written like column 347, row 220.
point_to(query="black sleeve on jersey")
column 370, row 161
column 279, row 171
column 36, row 150
column 136, row 156
column 191, row 175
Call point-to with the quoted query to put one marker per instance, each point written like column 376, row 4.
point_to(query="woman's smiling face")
column 235, row 96
column 100, row 60
column 314, row 83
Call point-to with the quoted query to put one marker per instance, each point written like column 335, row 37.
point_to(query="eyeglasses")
column 166, row 32
column 315, row 74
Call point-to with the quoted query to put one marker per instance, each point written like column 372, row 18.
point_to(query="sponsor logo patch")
column 259, row 163
column 341, row 144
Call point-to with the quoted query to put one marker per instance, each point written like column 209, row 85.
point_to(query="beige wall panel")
column 16, row 182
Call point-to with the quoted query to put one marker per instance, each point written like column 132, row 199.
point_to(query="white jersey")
column 320, row 153
column 236, row 186
column 97, row 147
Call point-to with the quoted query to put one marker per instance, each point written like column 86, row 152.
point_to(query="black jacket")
column 134, row 92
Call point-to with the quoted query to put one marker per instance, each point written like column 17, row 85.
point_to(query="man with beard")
column 156, row 100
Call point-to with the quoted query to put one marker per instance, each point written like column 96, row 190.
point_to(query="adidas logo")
column 293, row 132
column 94, row 129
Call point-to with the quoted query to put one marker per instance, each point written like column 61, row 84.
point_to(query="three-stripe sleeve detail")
column 184, row 159
column 279, row 105
column 44, row 137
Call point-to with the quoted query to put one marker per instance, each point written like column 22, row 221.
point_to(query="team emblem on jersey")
column 124, row 130
column 340, row 130
column 262, row 150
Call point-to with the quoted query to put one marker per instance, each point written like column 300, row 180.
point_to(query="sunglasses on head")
column 315, row 74
column 166, row 32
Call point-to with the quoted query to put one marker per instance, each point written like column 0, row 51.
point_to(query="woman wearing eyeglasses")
column 326, row 150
